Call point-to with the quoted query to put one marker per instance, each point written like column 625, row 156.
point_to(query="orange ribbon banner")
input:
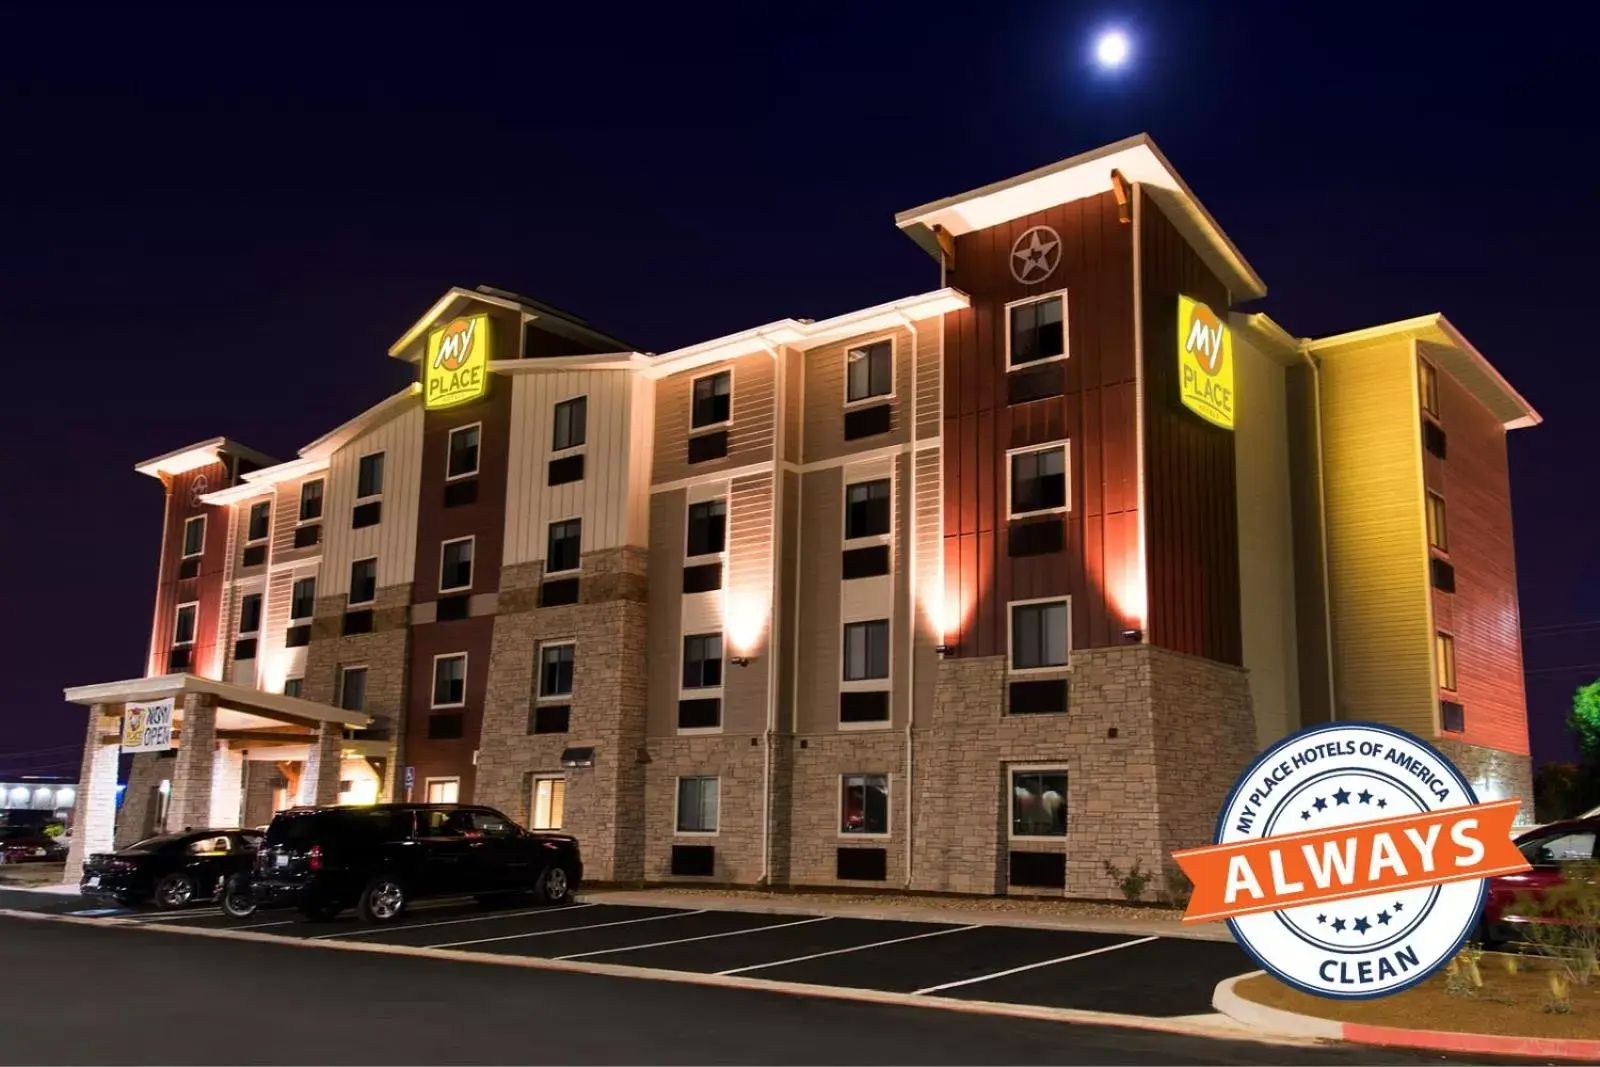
column 1354, row 860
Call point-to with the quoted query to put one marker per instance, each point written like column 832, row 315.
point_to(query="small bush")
column 1133, row 882
column 1565, row 923
column 1179, row 888
column 54, row 829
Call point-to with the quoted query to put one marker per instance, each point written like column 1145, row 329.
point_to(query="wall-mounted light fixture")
column 944, row 650
column 1132, row 633
column 739, row 661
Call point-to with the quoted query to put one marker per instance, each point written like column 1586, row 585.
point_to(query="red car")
column 1547, row 848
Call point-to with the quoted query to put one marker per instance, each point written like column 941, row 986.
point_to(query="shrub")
column 1565, row 925
column 1133, row 882
column 54, row 829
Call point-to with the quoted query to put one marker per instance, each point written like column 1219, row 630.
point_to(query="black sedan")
column 29, row 844
column 172, row 869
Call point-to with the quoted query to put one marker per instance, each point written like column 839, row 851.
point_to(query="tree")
column 1584, row 722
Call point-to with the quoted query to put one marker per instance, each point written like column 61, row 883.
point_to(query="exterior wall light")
column 944, row 650
column 739, row 661
column 1133, row 633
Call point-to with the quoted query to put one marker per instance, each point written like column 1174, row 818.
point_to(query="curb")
column 956, row 916
column 1189, row 1026
column 1279, row 1022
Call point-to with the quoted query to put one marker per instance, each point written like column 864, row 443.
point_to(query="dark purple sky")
column 216, row 224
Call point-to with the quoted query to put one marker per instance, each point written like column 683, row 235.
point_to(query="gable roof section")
column 384, row 410
column 199, row 454
column 409, row 346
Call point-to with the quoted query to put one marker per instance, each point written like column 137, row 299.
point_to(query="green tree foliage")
column 1584, row 722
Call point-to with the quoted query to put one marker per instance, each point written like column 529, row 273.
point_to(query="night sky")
column 216, row 223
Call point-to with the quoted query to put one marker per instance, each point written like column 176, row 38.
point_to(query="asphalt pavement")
column 126, row 994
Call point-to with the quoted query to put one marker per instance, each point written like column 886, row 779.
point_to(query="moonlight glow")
column 1111, row 49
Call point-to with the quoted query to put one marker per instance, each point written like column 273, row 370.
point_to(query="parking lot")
column 1130, row 974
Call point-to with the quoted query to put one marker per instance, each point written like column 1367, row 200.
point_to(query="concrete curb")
column 956, row 916
column 1278, row 1021
column 1220, row 1030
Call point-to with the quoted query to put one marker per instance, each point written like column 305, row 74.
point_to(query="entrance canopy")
column 240, row 709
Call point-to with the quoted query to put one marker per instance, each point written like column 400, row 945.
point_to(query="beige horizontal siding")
column 750, row 435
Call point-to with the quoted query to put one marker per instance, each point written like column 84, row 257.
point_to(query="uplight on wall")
column 744, row 621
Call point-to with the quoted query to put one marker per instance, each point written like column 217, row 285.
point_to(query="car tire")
column 382, row 901
column 319, row 913
column 237, row 903
column 553, row 887
column 174, row 891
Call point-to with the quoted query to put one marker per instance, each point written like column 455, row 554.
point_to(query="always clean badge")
column 1205, row 362
column 1350, row 860
column 456, row 370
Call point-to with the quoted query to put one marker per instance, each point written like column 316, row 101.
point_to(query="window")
column 293, row 687
column 443, row 790
column 555, row 671
column 866, row 509
column 866, row 650
column 1434, row 440
column 450, row 680
column 1040, row 635
column 563, row 551
column 1445, row 653
column 353, row 688
column 461, row 460
column 572, row 423
column 702, row 661
column 455, row 565
column 249, row 614
column 260, row 522
column 549, row 803
column 194, row 536
column 311, row 500
column 1428, row 387
column 1436, row 528
column 869, row 371
column 1039, row 803
column 708, row 528
column 712, row 400
column 1574, row 847
column 363, row 581
column 303, row 599
column 1039, row 481
column 184, row 626
column 697, row 805
column 369, row 476
column 864, row 807
column 1038, row 330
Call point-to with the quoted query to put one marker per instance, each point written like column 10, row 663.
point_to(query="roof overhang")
column 319, row 451
column 624, row 361
column 406, row 347
column 409, row 346
column 1451, row 351
column 1085, row 175
column 272, row 706
column 1267, row 337
column 199, row 454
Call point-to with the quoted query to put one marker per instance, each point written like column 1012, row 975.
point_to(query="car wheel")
column 238, row 903
column 383, row 901
column 554, row 886
column 174, row 891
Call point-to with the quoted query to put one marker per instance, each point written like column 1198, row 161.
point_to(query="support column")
column 319, row 782
column 227, row 787
column 94, row 817
column 190, row 806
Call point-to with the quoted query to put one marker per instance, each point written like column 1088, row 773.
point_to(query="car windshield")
column 154, row 844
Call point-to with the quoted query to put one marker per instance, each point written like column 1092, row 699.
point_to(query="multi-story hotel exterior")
column 974, row 590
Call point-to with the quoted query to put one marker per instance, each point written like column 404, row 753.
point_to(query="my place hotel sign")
column 1205, row 362
column 456, row 368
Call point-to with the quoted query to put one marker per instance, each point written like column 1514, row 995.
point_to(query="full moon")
column 1111, row 49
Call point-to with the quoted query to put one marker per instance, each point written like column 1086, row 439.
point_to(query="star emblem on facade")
column 1035, row 255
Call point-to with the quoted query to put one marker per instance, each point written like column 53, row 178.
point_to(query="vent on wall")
column 1443, row 575
column 1039, row 870
column 244, row 648
column 702, row 578
column 1036, row 383
column 254, row 556
column 867, row 422
column 178, row 660
column 369, row 514
column 1034, row 538
column 694, row 861
column 871, row 705
column 700, row 714
column 566, row 469
column 307, row 536
column 549, row 718
column 862, row 865
column 358, row 622
column 1452, row 716
column 452, row 608
column 460, row 493
column 707, row 446
column 558, row 591
column 446, row 727
column 297, row 636
column 1433, row 438
column 869, row 562
column 1045, row 697
column 189, row 567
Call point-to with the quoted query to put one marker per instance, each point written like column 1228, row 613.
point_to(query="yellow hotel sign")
column 457, row 367
column 1205, row 363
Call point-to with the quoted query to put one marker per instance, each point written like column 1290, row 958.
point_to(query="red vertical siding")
column 183, row 493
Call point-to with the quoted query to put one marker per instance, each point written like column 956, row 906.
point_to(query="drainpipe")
column 772, row 613
column 911, row 600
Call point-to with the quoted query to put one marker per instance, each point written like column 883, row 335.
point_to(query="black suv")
column 379, row 858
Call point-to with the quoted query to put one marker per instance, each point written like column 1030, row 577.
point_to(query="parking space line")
column 261, row 926
column 449, row 922
column 702, row 937
column 852, row 948
column 1033, row 966
column 570, row 929
column 171, row 916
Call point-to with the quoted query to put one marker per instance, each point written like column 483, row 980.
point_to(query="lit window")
column 303, row 599
column 184, row 626
column 1038, row 330
column 549, row 803
column 555, row 671
column 369, row 476
column 1445, row 647
column 1039, row 481
column 866, row 509
column 571, row 423
column 708, row 528
column 1040, row 635
column 713, row 402
column 866, row 650
column 194, row 536
column 864, row 807
column 563, row 551
column 311, row 500
column 461, row 460
column 363, row 581
column 697, row 805
column 249, row 614
column 1428, row 387
column 455, row 565
column 869, row 371
column 353, row 688
column 260, row 522
column 1436, row 528
column 443, row 790
column 1039, row 803
column 702, row 661
column 450, row 680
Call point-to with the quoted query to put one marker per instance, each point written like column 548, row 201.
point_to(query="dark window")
column 712, row 400
column 303, row 598
column 702, row 578
column 250, row 614
column 550, row 718
column 369, row 476
column 1039, row 480
column 260, row 522
column 865, row 804
column 297, row 636
column 1433, row 438
column 357, row 622
column 1038, row 698
column 866, row 650
column 870, row 705
column 868, row 421
column 353, row 688
column 311, row 500
column 244, row 648
column 446, row 727
column 194, row 536
column 307, row 536
column 1444, row 575
column 178, row 659
column 702, row 661
column 1039, row 803
column 293, row 687
column 1037, row 870
column 449, row 680
column 566, row 470
column 463, row 452
column 572, row 423
column 694, row 861
column 563, row 549
column 708, row 528
column 701, row 713
column 1040, row 635
column 555, row 671
column 254, row 556
column 697, row 805
column 363, row 581
column 461, row 492
column 708, row 446
column 189, row 568
column 557, row 592
column 866, row 509
column 368, row 514
column 1036, row 382
column 869, row 562
column 869, row 371
column 452, row 608
column 861, row 864
column 1035, row 537
column 1452, row 716
column 455, row 565
column 1037, row 331
column 183, row 629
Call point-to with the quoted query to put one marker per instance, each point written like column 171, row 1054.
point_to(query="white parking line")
column 852, row 948
column 261, row 926
column 570, row 929
column 702, row 937
column 450, row 922
column 1033, row 966
column 171, row 916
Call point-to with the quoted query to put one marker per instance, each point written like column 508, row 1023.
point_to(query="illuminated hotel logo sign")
column 457, row 367
column 1205, row 363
